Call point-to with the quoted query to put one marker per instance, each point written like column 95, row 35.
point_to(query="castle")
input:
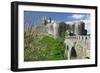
column 58, row 29
column 77, row 42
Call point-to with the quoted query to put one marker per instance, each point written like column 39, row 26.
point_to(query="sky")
column 34, row 17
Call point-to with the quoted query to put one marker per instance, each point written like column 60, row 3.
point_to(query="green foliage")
column 67, row 33
column 54, row 47
column 42, row 47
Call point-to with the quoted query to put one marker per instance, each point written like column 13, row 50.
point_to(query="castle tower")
column 79, row 28
column 46, row 20
column 56, row 28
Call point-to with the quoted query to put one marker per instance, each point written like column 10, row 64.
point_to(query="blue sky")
column 34, row 17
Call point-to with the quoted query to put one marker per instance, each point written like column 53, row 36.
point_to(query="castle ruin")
column 77, row 42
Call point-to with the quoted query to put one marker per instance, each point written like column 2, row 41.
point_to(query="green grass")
column 54, row 48
column 44, row 48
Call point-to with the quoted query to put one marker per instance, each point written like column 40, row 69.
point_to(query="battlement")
column 86, row 37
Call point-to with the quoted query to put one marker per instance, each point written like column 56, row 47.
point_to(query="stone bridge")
column 77, row 47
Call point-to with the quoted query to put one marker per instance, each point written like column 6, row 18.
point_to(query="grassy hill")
column 41, row 47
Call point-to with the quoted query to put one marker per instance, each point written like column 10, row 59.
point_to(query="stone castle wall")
column 81, row 45
column 58, row 29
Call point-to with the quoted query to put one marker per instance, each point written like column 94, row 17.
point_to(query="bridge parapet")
column 81, row 45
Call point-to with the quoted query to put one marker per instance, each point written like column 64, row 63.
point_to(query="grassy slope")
column 42, row 47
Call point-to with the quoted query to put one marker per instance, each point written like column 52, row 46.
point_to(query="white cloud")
column 77, row 16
